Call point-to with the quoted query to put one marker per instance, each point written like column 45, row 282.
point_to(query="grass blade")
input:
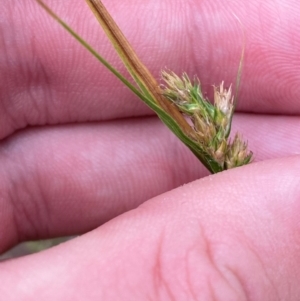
column 91, row 50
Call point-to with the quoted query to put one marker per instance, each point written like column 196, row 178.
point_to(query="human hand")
column 87, row 151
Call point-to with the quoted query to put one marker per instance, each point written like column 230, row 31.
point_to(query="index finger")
column 47, row 78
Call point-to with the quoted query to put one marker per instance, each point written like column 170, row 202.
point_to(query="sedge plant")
column 204, row 127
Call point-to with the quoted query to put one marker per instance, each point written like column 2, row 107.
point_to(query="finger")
column 47, row 78
column 58, row 180
column 269, row 136
column 218, row 238
column 70, row 179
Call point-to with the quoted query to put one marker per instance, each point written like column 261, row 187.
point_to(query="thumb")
column 231, row 236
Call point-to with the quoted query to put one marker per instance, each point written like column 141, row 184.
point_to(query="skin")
column 80, row 153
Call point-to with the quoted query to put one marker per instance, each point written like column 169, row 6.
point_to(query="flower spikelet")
column 211, row 122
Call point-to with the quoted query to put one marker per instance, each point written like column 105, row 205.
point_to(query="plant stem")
column 136, row 68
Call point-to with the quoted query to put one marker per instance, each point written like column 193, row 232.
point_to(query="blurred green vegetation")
column 31, row 247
